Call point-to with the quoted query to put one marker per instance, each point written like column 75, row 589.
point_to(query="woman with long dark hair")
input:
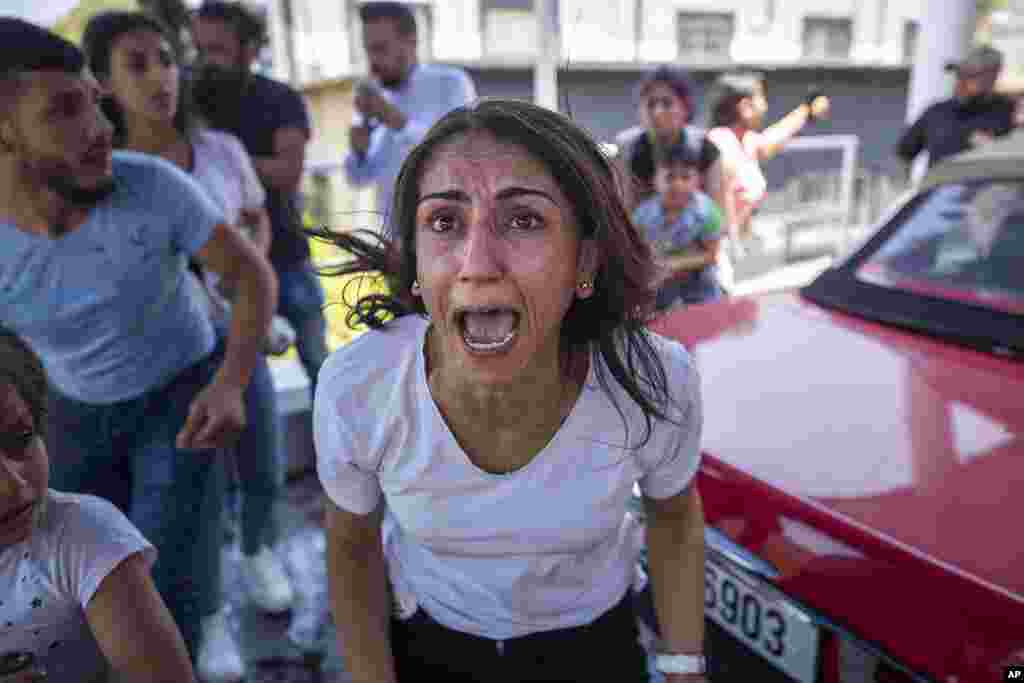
column 480, row 444
column 130, row 53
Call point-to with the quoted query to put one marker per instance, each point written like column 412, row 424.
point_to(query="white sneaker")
column 219, row 660
column 280, row 337
column 267, row 582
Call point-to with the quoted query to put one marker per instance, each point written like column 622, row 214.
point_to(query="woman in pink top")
column 736, row 129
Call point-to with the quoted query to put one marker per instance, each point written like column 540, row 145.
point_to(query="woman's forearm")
column 684, row 263
column 361, row 607
column 675, row 552
column 775, row 137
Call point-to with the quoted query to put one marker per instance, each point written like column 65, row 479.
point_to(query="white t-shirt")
column 751, row 185
column 500, row 556
column 223, row 168
column 47, row 581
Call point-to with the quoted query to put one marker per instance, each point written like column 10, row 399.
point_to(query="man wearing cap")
column 93, row 276
column 974, row 115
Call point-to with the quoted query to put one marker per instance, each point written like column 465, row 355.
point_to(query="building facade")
column 858, row 51
column 699, row 32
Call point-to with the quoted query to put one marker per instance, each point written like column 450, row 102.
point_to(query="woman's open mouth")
column 488, row 329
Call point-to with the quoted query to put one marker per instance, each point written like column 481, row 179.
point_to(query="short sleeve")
column 712, row 228
column 292, row 112
column 96, row 538
column 254, row 196
column 349, row 483
column 645, row 215
column 192, row 212
column 674, row 465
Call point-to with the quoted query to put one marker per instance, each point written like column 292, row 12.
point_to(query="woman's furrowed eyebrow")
column 512, row 192
column 506, row 193
column 448, row 195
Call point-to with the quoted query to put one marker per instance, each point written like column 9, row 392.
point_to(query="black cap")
column 27, row 47
column 979, row 60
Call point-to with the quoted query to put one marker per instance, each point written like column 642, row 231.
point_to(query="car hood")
column 891, row 444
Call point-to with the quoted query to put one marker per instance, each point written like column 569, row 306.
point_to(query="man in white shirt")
column 405, row 99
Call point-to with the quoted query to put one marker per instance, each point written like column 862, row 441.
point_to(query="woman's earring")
column 585, row 286
column 415, row 289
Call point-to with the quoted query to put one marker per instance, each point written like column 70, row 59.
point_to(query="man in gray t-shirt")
column 93, row 277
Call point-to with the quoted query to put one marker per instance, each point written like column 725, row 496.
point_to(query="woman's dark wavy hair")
column 611, row 322
column 22, row 369
column 730, row 90
column 677, row 81
column 98, row 40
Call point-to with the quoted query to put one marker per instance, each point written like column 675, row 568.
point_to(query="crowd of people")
column 478, row 447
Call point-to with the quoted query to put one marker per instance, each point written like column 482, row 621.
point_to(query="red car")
column 863, row 474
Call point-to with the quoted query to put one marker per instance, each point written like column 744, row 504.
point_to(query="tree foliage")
column 987, row 7
column 73, row 23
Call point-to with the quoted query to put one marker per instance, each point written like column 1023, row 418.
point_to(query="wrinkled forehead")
column 42, row 90
column 46, row 84
column 660, row 90
column 476, row 158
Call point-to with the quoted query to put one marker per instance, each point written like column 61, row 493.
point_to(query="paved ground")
column 299, row 647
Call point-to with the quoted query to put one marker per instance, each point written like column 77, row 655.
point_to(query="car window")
column 960, row 242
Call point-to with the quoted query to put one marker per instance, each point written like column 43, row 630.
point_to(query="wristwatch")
column 680, row 664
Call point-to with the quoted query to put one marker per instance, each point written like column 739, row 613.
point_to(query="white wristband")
column 680, row 664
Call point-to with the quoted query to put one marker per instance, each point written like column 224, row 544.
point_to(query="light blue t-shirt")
column 108, row 305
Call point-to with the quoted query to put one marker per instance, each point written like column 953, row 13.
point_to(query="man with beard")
column 93, row 276
column 407, row 98
column 973, row 116
column 274, row 129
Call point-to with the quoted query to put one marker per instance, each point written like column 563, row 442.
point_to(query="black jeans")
column 603, row 650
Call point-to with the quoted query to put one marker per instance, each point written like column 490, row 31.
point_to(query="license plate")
column 757, row 616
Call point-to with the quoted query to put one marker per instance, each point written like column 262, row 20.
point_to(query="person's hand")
column 820, row 106
column 359, row 139
column 216, row 418
column 981, row 137
column 33, row 675
column 373, row 105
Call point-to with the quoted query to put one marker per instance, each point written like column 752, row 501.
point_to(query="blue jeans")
column 125, row 452
column 301, row 303
column 698, row 287
column 259, row 461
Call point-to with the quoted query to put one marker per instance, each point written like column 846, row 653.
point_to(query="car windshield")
column 961, row 242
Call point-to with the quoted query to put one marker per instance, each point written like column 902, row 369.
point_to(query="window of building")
column 911, row 31
column 424, row 30
column 827, row 38
column 508, row 28
column 705, row 36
